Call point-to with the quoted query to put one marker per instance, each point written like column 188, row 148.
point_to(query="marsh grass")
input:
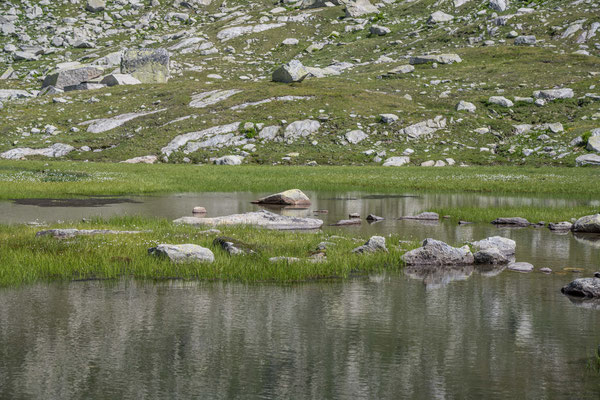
column 34, row 179
column 27, row 258
column 533, row 214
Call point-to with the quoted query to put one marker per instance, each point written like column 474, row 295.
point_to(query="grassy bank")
column 37, row 179
column 27, row 258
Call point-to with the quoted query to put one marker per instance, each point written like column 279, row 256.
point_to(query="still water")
column 392, row 336
column 464, row 332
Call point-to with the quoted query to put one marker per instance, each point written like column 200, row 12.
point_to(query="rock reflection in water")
column 583, row 302
column 437, row 276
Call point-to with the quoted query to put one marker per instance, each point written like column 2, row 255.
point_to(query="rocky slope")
column 429, row 83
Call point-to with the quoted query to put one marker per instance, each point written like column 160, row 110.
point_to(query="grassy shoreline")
column 38, row 179
column 28, row 259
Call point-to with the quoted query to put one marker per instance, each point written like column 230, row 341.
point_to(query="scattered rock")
column 525, row 40
column 141, row 160
column 374, row 244
column 396, row 161
column 435, row 58
column 346, row 222
column 183, row 253
column 199, row 210
column 466, row 106
column 54, row 151
column 554, row 94
column 358, row 8
column 587, row 224
column 583, row 287
column 511, row 221
column 560, row 226
column 501, row 101
column 71, row 77
column 293, row 71
column 424, row 216
column 356, row 136
column 374, row 218
column 146, row 65
column 587, row 159
column 228, row 160
column 505, row 246
column 520, row 267
column 435, row 252
column 292, row 197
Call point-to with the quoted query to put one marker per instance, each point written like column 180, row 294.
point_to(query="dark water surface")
column 482, row 336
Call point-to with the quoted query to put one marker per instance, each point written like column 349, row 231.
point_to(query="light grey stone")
column 261, row 218
column 435, row 252
column 183, row 253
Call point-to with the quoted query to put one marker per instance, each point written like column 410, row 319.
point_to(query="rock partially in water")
column 560, row 226
column 520, row 267
column 546, row 270
column 511, row 221
column 199, row 210
column 507, row 247
column 374, row 244
column 587, row 224
column 261, row 218
column 70, row 233
column 424, row 216
column 346, row 222
column 583, row 287
column 491, row 255
column 182, row 253
column 292, row 197
column 436, row 252
column 374, row 218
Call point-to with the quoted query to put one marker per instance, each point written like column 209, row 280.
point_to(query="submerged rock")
column 374, row 218
column 583, row 287
column 511, row 221
column 374, row 244
column 520, row 267
column 424, row 216
column 182, row 253
column 587, row 224
column 261, row 218
column 560, row 226
column 436, row 252
column 346, row 222
column 292, row 197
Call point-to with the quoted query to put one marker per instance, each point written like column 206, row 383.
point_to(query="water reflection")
column 386, row 337
column 436, row 276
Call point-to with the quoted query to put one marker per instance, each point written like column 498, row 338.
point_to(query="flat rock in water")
column 292, row 197
column 511, row 221
column 436, row 252
column 69, row 233
column 261, row 218
column 346, row 222
column 520, row 267
column 182, row 253
column 560, row 226
column 583, row 287
column 424, row 216
column 587, row 224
